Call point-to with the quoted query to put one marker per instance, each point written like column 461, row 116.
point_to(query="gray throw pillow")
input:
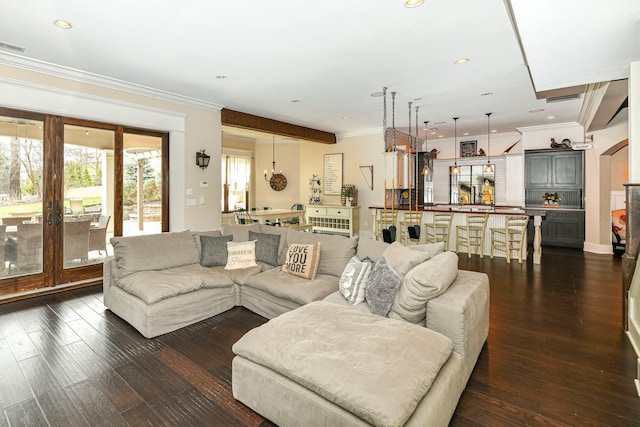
column 382, row 287
column 266, row 247
column 213, row 250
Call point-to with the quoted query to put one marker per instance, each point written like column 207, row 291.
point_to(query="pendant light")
column 456, row 169
column 489, row 167
column 425, row 169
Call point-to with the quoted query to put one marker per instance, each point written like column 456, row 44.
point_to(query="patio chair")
column 98, row 235
column 76, row 240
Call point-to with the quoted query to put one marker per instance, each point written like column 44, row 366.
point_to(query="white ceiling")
column 332, row 55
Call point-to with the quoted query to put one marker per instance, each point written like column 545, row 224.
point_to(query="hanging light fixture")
column 489, row 167
column 426, row 170
column 456, row 169
column 277, row 181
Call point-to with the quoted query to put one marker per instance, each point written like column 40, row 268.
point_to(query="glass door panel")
column 21, row 173
column 142, row 202
column 87, row 194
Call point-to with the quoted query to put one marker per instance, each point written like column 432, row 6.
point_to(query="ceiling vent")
column 8, row 46
column 563, row 98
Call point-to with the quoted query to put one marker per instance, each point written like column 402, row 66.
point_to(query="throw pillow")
column 302, row 260
column 241, row 255
column 266, row 247
column 353, row 281
column 384, row 283
column 403, row 259
column 428, row 280
column 213, row 250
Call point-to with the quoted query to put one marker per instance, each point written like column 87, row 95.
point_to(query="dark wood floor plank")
column 103, row 347
column 119, row 393
column 142, row 415
column 26, row 414
column 94, row 406
column 59, row 409
column 16, row 337
column 213, row 388
column 59, row 360
column 14, row 387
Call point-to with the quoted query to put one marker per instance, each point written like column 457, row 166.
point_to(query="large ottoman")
column 328, row 365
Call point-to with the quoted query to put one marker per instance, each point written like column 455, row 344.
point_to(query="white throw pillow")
column 402, row 259
column 241, row 255
column 353, row 280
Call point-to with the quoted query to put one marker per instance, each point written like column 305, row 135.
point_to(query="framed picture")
column 468, row 148
column 332, row 167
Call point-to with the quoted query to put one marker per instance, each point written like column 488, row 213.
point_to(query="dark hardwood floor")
column 556, row 355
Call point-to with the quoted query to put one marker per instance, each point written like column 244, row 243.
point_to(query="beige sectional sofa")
column 160, row 283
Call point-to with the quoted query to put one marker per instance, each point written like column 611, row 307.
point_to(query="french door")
column 66, row 187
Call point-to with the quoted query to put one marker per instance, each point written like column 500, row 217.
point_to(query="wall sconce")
column 202, row 159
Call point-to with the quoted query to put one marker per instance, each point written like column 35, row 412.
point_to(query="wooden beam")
column 275, row 127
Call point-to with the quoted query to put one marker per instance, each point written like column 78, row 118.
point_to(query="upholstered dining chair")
column 511, row 238
column 439, row 229
column 471, row 234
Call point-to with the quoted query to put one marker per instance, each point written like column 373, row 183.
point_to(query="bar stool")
column 409, row 220
column 511, row 238
column 471, row 234
column 387, row 218
column 439, row 229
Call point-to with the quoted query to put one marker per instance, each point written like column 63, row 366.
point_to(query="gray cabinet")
column 564, row 228
column 553, row 169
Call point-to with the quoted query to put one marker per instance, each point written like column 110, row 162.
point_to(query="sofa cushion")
column 403, row 259
column 213, row 250
column 154, row 286
column 241, row 255
column 167, row 250
column 426, row 281
column 197, row 234
column 302, row 260
column 240, row 232
column 336, row 250
column 370, row 248
column 354, row 278
column 293, row 288
column 266, row 246
column 432, row 249
column 382, row 287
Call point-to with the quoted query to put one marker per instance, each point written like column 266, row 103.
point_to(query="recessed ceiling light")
column 440, row 136
column 295, row 101
column 537, row 110
column 494, row 130
column 466, row 133
column 61, row 23
column 417, row 99
column 413, row 3
column 221, row 77
column 486, row 94
column 345, row 117
column 376, row 94
column 551, row 117
column 461, row 61
column 439, row 123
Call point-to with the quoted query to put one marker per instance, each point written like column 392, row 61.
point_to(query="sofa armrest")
column 462, row 314
column 108, row 276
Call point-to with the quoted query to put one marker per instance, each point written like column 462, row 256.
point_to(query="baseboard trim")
column 597, row 248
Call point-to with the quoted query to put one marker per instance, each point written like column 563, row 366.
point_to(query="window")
column 236, row 181
column 472, row 185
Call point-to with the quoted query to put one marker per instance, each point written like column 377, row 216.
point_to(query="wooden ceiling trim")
column 275, row 127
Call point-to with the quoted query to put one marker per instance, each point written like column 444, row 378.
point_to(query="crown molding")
column 55, row 70
column 549, row 126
